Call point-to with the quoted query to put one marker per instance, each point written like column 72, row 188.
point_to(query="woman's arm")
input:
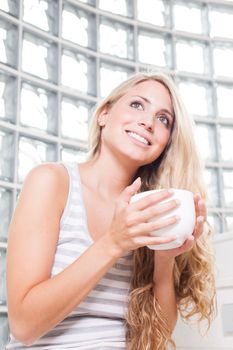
column 37, row 302
column 164, row 289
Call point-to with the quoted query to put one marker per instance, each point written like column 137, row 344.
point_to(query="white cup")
column 183, row 227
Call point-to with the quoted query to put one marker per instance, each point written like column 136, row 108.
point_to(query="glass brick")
column 2, row 276
column 89, row 2
column 8, row 43
column 188, row 18
column 228, row 187
column 205, row 139
column 8, row 97
column 226, row 143
column 223, row 58
column 75, row 119
column 154, row 49
column 211, row 180
column 39, row 57
column 221, row 22
column 38, row 108
column 121, row 43
column 42, row 14
column 120, row 7
column 5, row 212
column 7, row 155
column 78, row 26
column 224, row 100
column 111, row 76
column 78, row 72
column 229, row 222
column 215, row 220
column 192, row 92
column 154, row 12
column 4, row 330
column 190, row 57
column 10, row 6
column 33, row 152
column 73, row 155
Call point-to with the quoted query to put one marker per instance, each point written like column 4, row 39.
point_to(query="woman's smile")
column 138, row 139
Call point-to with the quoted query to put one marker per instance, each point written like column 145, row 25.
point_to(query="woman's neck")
column 108, row 177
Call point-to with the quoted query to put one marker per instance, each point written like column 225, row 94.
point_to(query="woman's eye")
column 164, row 119
column 137, row 105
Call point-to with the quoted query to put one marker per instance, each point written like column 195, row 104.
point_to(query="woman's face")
column 138, row 126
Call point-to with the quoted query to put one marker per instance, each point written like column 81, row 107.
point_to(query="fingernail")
column 177, row 201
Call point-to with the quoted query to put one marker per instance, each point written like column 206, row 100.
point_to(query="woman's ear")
column 101, row 122
column 102, row 118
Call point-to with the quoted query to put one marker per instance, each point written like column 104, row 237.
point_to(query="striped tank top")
column 98, row 321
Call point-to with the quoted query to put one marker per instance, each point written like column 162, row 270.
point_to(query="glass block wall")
column 59, row 57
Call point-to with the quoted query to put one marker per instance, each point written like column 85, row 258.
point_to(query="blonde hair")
column 179, row 166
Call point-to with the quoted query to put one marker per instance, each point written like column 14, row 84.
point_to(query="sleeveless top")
column 98, row 321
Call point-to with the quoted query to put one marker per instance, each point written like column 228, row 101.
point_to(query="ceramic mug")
column 183, row 227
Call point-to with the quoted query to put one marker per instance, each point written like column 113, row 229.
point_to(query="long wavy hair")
column 179, row 166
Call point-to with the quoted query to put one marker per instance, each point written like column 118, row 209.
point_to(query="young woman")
column 79, row 274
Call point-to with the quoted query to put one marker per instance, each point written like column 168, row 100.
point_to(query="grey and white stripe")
column 98, row 321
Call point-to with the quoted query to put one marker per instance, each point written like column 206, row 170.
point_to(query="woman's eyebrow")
column 162, row 110
column 144, row 98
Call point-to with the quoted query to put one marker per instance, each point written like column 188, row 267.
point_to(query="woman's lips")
column 138, row 138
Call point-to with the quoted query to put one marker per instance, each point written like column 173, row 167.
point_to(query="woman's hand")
column 200, row 209
column 131, row 227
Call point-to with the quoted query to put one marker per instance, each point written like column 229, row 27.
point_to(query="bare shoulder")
column 47, row 179
column 35, row 222
column 52, row 172
column 34, row 228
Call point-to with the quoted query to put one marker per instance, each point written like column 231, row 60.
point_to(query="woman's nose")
column 147, row 123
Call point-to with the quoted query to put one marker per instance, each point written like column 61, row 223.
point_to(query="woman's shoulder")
column 48, row 179
column 52, row 173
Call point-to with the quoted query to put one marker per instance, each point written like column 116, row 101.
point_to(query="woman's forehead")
column 151, row 90
column 151, row 87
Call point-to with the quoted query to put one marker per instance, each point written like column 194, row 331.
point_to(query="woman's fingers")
column 200, row 206
column 149, row 227
column 202, row 209
column 136, row 227
column 152, row 240
column 152, row 212
column 150, row 199
column 199, row 227
column 186, row 246
column 201, row 214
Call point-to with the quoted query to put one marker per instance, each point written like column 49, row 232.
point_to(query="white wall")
column 188, row 337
